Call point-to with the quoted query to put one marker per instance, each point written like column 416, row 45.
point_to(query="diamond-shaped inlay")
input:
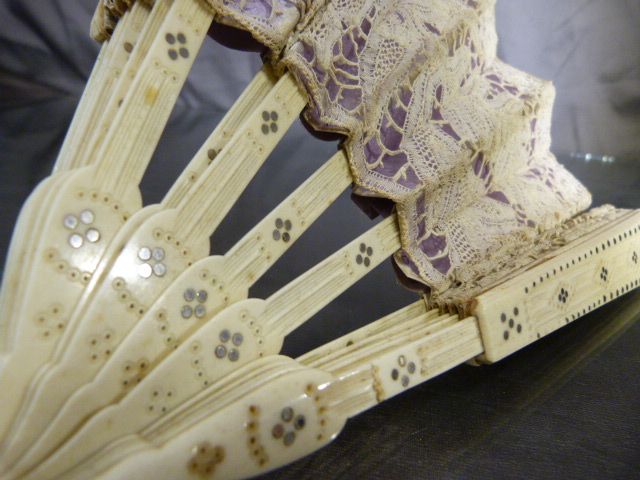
column 286, row 430
column 404, row 371
column 364, row 257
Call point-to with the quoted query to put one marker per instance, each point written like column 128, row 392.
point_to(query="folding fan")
column 141, row 355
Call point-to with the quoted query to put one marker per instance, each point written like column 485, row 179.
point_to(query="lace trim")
column 458, row 139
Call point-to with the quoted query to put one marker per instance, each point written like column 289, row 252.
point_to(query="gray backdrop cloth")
column 566, row 407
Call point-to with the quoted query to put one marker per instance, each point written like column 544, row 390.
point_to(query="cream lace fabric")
column 435, row 122
column 458, row 139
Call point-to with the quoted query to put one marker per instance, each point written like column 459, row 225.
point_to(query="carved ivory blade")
column 234, row 429
column 112, row 63
column 82, row 133
column 93, row 202
column 202, row 291
column 294, row 411
column 138, row 266
column 238, row 335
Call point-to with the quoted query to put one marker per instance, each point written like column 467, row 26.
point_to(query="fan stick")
column 93, row 202
column 366, row 367
column 264, row 81
column 204, row 289
column 246, row 331
column 112, row 62
column 109, row 66
column 116, row 295
column 267, row 384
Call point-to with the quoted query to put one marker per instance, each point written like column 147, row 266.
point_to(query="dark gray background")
column 566, row 407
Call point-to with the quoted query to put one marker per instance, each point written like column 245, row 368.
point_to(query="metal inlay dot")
column 234, row 355
column 159, row 269
column 278, row 431
column 70, row 222
column 200, row 311
column 367, row 262
column 276, row 234
column 181, row 38
column 359, row 259
column 299, row 422
column 265, row 129
column 225, row 335
column 87, row 217
column 237, row 339
column 369, row 251
column 145, row 270
column 394, row 374
column 265, row 116
column 363, row 247
column 144, row 253
column 189, row 294
column 93, row 235
column 128, row 47
column 186, row 311
column 289, row 438
column 173, row 55
column 274, row 127
column 404, row 381
column 170, row 38
column 287, row 224
column 158, row 253
column 76, row 240
column 286, row 237
column 279, row 223
column 411, row 368
column 184, row 53
column 221, row 351
column 287, row 414
column 402, row 361
column 274, row 116
column 202, row 296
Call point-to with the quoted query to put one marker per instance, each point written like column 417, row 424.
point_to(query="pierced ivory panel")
column 574, row 280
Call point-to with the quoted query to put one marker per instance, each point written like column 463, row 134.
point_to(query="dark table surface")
column 566, row 407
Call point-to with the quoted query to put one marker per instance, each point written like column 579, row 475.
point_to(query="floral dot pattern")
column 364, row 257
column 205, row 459
column 177, row 46
column 82, row 229
column 153, row 262
column 511, row 324
column 289, row 425
column 270, row 124
column 281, row 232
column 404, row 371
column 195, row 303
column 227, row 347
